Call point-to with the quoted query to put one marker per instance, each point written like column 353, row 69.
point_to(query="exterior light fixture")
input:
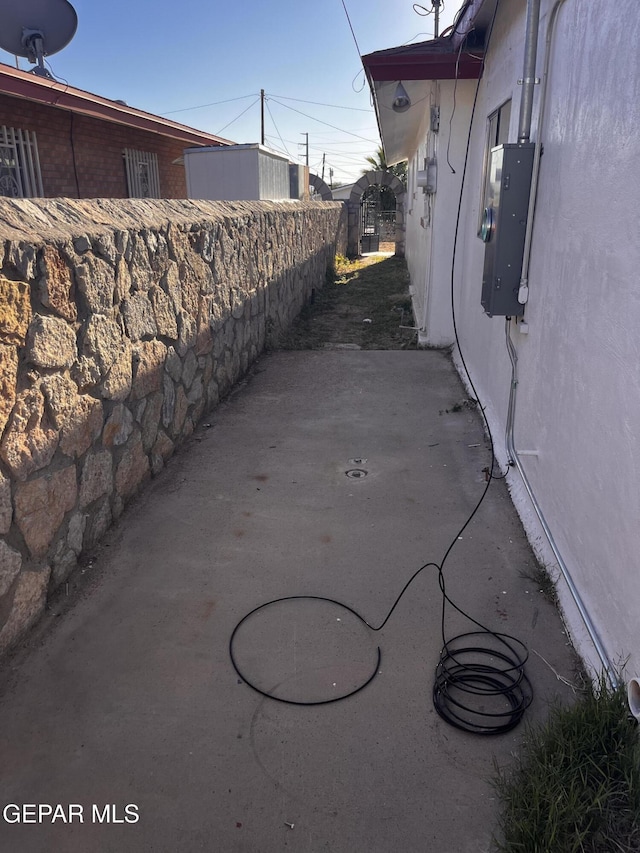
column 401, row 100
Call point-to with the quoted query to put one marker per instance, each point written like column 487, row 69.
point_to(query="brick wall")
column 96, row 146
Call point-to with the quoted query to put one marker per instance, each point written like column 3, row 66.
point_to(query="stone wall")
column 121, row 324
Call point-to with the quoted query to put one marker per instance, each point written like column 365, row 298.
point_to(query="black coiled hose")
column 480, row 684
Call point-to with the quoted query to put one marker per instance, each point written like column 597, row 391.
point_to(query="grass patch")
column 575, row 784
column 364, row 302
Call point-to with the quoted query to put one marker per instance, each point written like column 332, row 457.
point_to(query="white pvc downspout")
column 633, row 695
column 533, row 10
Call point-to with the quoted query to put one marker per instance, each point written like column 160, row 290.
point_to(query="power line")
column 238, row 116
column 306, row 115
column 351, row 28
column 343, row 142
column 323, row 145
column 347, row 142
column 276, row 127
column 212, row 104
column 275, row 147
column 254, row 94
column 321, row 104
column 347, row 158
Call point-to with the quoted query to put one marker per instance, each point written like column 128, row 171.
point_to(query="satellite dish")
column 36, row 28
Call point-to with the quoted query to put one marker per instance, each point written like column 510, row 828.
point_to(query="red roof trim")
column 20, row 84
column 438, row 59
column 440, row 66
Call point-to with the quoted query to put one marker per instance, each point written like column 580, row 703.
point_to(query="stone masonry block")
column 96, row 477
column 28, row 604
column 132, row 469
column 164, row 313
column 8, row 377
column 118, row 427
column 51, row 342
column 56, row 287
column 41, row 505
column 15, row 311
column 138, row 316
column 96, row 281
column 117, row 384
column 151, row 419
column 6, row 508
column 102, row 341
column 148, row 361
column 30, row 439
column 10, row 563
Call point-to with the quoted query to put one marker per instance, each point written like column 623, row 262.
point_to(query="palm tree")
column 378, row 163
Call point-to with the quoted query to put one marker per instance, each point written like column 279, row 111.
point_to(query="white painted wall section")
column 579, row 384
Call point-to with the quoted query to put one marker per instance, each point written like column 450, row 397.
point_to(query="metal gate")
column 370, row 224
column 376, row 225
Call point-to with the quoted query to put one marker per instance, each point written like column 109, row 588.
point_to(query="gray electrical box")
column 504, row 222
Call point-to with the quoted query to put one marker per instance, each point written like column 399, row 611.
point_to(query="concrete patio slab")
column 125, row 694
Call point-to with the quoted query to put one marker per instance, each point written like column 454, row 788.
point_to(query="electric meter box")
column 504, row 222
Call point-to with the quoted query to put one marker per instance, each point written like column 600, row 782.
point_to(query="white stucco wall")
column 579, row 377
column 418, row 231
column 429, row 248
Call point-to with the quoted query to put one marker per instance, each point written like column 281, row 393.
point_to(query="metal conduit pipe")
column 533, row 193
column 526, row 105
column 529, row 70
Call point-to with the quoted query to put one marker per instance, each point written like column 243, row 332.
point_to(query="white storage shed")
column 236, row 173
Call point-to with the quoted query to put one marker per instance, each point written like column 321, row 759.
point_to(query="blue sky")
column 165, row 57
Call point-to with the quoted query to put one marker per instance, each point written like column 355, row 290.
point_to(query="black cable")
column 470, row 675
column 351, row 28
column 296, row 701
column 472, row 671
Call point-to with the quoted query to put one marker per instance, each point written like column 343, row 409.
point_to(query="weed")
column 544, row 582
column 575, row 784
column 460, row 406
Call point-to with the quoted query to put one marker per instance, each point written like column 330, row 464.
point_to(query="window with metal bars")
column 20, row 175
column 143, row 177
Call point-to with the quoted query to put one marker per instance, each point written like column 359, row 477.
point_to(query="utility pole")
column 306, row 136
column 436, row 22
column 323, row 156
column 330, row 177
column 262, row 116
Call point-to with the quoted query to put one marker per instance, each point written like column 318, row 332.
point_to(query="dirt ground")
column 365, row 304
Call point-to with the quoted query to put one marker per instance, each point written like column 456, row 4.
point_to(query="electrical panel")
column 427, row 178
column 504, row 222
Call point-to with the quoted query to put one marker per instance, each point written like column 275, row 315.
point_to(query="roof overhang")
column 52, row 93
column 458, row 54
